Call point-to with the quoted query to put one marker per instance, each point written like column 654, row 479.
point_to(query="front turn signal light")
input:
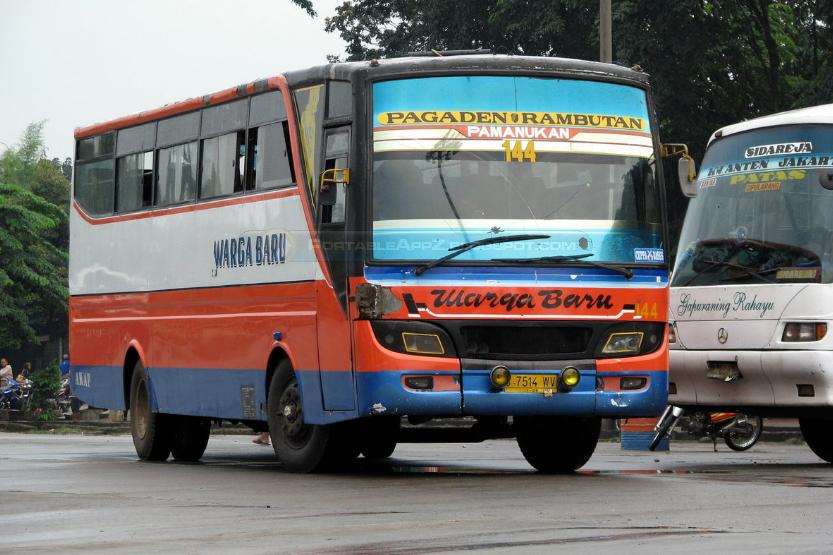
column 623, row 343
column 804, row 331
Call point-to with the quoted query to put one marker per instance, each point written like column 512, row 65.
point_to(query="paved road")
column 73, row 494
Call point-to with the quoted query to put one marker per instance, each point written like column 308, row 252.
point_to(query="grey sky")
column 78, row 62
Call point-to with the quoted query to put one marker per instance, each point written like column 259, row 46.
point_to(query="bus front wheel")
column 817, row 434
column 556, row 444
column 301, row 447
column 151, row 431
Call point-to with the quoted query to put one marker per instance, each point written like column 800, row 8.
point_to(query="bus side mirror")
column 687, row 174
column 327, row 190
column 686, row 170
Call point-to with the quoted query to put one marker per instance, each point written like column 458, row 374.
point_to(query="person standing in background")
column 6, row 372
column 64, row 366
column 25, row 372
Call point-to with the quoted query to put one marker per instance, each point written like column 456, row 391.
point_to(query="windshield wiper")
column 465, row 247
column 572, row 258
column 726, row 264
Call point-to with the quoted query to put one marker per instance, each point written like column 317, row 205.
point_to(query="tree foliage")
column 712, row 62
column 34, row 197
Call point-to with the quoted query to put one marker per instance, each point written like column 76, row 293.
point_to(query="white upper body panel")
column 215, row 244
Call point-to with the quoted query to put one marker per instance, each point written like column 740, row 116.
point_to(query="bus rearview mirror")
column 687, row 174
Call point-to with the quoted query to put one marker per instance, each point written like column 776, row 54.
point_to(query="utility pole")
column 605, row 32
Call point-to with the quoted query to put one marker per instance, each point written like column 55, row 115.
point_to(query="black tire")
column 301, row 447
column 747, row 436
column 818, row 434
column 557, row 444
column 380, row 436
column 190, row 437
column 151, row 431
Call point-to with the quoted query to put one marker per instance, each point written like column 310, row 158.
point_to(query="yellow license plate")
column 532, row 383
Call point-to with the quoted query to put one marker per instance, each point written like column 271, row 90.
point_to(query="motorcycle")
column 740, row 431
column 16, row 395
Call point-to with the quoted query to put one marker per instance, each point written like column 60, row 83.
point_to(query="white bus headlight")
column 623, row 343
column 804, row 331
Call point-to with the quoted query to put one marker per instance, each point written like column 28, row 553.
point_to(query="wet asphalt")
column 89, row 494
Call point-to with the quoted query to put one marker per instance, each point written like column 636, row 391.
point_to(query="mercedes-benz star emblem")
column 722, row 335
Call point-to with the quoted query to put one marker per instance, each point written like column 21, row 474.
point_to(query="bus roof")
column 813, row 114
column 381, row 68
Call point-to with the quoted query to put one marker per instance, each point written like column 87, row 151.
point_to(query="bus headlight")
column 804, row 331
column 414, row 338
column 630, row 339
column 623, row 343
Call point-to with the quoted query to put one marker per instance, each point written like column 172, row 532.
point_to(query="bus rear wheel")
column 151, row 431
column 301, row 447
column 190, row 437
column 557, row 444
column 818, row 434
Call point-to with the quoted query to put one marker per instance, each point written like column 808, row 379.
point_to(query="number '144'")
column 516, row 152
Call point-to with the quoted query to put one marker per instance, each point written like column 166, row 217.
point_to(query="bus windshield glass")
column 763, row 210
column 464, row 158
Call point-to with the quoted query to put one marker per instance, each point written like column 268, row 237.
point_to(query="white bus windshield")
column 762, row 213
column 463, row 158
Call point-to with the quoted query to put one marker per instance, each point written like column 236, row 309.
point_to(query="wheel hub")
column 292, row 417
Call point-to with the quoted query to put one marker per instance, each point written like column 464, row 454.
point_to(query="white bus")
column 752, row 289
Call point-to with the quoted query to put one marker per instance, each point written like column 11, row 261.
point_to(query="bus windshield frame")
column 762, row 210
column 450, row 133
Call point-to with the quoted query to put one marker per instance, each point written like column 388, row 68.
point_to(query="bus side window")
column 335, row 157
column 176, row 174
column 94, row 185
column 223, row 165
column 270, row 157
column 134, row 181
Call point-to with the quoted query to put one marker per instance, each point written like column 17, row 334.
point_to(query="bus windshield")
column 763, row 210
column 463, row 158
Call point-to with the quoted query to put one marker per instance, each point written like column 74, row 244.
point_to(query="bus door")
column 334, row 342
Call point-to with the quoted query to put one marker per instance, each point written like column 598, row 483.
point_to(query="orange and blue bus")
column 341, row 254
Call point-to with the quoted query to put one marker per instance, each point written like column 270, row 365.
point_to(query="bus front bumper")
column 794, row 378
column 597, row 394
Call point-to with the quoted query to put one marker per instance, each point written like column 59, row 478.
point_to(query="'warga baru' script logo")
column 240, row 252
column 512, row 118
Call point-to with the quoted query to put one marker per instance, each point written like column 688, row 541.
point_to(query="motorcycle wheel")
column 745, row 435
column 664, row 427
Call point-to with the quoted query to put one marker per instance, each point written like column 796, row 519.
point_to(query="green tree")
column 712, row 62
column 34, row 237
